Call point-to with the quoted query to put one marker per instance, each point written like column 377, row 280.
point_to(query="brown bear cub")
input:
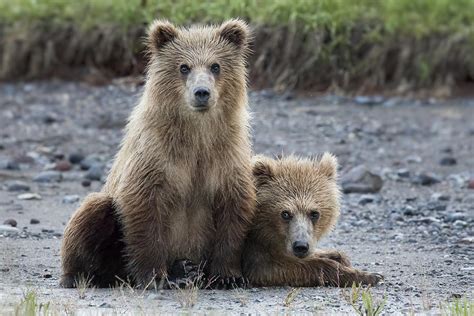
column 181, row 184
column 297, row 204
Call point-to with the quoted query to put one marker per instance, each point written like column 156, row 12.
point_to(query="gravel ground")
column 57, row 139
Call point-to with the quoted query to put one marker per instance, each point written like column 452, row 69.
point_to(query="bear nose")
column 202, row 95
column 300, row 248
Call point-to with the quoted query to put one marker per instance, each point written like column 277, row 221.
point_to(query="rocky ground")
column 407, row 170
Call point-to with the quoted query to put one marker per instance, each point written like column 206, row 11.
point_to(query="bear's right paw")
column 67, row 281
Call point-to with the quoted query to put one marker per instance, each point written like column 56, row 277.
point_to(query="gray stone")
column 366, row 198
column 10, row 222
column 16, row 186
column 452, row 217
column 48, row 176
column 361, row 180
column 7, row 229
column 29, row 196
column 426, row 179
column 70, row 199
column 95, row 172
column 89, row 162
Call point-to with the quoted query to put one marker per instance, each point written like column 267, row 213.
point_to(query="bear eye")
column 286, row 215
column 314, row 215
column 184, row 69
column 215, row 68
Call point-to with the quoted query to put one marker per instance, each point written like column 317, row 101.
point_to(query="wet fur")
column 181, row 183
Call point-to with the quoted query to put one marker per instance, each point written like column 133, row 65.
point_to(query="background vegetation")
column 305, row 44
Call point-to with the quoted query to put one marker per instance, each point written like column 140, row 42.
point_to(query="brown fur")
column 181, row 182
column 298, row 186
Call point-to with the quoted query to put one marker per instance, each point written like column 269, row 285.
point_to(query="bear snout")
column 201, row 95
column 300, row 248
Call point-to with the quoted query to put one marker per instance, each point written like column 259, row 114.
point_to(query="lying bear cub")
column 297, row 204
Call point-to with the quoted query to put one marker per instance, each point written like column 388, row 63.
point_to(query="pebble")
column 413, row 159
column 89, row 162
column 440, row 197
column 369, row 100
column 76, row 158
column 5, row 229
column 447, row 161
column 29, row 196
column 48, row 176
column 470, row 184
column 95, row 173
column 16, row 186
column 63, row 165
column 403, row 173
column 9, row 165
column 452, row 217
column 361, row 180
column 426, row 179
column 467, row 240
column 366, row 198
column 34, row 221
column 10, row 222
column 86, row 183
column 70, row 199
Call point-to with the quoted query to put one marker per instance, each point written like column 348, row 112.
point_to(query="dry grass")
column 363, row 301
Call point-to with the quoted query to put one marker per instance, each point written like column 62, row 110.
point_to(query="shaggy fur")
column 299, row 187
column 181, row 183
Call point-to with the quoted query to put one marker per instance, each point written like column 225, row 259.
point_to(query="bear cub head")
column 200, row 67
column 297, row 202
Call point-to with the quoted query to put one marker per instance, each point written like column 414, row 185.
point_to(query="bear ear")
column 236, row 32
column 262, row 169
column 160, row 33
column 328, row 165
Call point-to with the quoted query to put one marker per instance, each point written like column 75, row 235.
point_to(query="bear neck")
column 176, row 128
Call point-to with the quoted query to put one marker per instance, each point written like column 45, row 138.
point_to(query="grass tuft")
column 363, row 302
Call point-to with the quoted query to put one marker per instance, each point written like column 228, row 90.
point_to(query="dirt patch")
column 417, row 230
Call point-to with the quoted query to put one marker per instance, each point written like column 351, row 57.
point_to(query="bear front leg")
column 335, row 255
column 328, row 272
column 233, row 213
column 145, row 233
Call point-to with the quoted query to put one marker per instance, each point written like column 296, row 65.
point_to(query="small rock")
column 413, row 159
column 426, row 179
column 16, row 186
column 409, row 210
column 369, row 100
column 63, row 165
column 34, row 221
column 366, row 198
column 86, row 183
column 436, row 206
column 440, row 197
column 448, row 161
column 470, row 184
column 452, row 217
column 10, row 222
column 460, row 224
column 70, row 199
column 95, row 173
column 403, row 173
column 47, row 276
column 48, row 176
column 90, row 161
column 7, row 229
column 361, row 180
column 29, row 196
column 76, row 158
column 9, row 165
column 105, row 305
column 467, row 240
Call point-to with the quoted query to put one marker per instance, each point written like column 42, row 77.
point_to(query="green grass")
column 413, row 16
column 304, row 44
column 458, row 307
column 30, row 306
